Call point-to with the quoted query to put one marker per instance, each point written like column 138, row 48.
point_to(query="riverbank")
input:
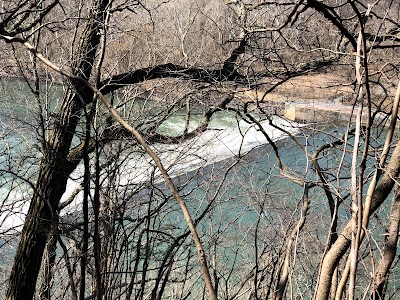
column 317, row 98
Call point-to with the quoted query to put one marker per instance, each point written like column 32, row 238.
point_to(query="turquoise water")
column 255, row 205
column 175, row 124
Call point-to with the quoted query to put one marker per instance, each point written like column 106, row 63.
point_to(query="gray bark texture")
column 54, row 168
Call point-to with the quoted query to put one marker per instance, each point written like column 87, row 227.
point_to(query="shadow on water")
column 255, row 204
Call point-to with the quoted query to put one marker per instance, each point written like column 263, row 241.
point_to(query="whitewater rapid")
column 220, row 143
column 215, row 144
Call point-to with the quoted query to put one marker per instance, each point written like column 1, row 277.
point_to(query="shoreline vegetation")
column 317, row 97
column 122, row 93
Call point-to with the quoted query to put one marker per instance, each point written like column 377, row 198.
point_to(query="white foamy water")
column 13, row 214
column 216, row 144
column 219, row 142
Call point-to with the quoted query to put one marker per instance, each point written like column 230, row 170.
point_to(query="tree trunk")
column 42, row 214
column 46, row 277
column 389, row 251
column 283, row 273
column 55, row 167
column 340, row 247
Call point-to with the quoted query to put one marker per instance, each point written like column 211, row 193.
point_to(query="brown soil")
column 322, row 87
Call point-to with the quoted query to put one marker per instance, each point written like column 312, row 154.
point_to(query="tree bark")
column 389, row 251
column 54, row 168
column 340, row 247
column 42, row 214
column 46, row 277
column 284, row 270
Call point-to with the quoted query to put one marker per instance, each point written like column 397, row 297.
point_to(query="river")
column 254, row 205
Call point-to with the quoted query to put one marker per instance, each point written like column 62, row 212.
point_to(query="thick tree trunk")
column 389, row 251
column 54, row 168
column 42, row 214
column 340, row 247
column 46, row 274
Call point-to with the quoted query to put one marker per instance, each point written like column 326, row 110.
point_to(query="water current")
column 253, row 190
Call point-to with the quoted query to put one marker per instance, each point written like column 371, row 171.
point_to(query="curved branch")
column 170, row 71
column 340, row 247
column 283, row 271
column 155, row 158
column 324, row 10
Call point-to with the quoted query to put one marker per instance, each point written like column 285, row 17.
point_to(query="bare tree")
column 127, row 70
